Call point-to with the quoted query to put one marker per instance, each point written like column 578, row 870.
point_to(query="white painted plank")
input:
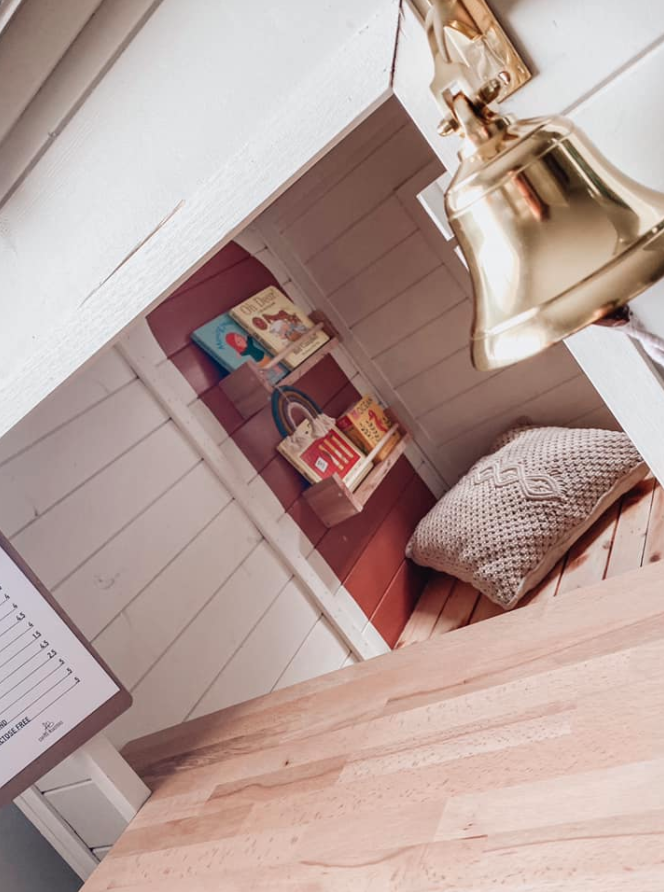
column 601, row 418
column 270, row 261
column 445, row 250
column 113, row 775
column 8, row 11
column 427, row 346
column 380, row 646
column 263, row 494
column 72, row 770
column 557, row 43
column 92, row 384
column 140, row 340
column 95, row 593
column 322, row 651
column 95, row 48
column 176, row 381
column 85, row 808
column 358, row 193
column 60, row 541
column 87, row 268
column 558, row 406
column 45, row 473
column 66, row 843
column 386, row 277
column 630, row 386
column 415, row 307
column 293, row 539
column 250, row 239
column 443, row 381
column 175, row 684
column 361, row 244
column 41, row 32
column 502, row 393
column 208, row 421
column 254, row 670
column 364, row 139
column 242, row 467
column 136, row 639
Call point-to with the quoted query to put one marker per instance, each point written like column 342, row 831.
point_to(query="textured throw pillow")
column 505, row 525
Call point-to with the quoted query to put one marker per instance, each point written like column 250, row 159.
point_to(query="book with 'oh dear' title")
column 276, row 322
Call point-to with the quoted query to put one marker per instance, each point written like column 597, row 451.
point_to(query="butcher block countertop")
column 524, row 753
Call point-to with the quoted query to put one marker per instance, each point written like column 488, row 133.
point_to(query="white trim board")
column 335, row 611
column 54, row 828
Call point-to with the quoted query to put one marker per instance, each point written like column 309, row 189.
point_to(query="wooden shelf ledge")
column 334, row 502
column 248, row 387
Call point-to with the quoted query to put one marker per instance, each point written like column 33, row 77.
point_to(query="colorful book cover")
column 366, row 423
column 231, row 346
column 276, row 322
column 318, row 457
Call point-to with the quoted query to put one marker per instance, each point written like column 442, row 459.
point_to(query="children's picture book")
column 231, row 346
column 317, row 456
column 366, row 423
column 275, row 321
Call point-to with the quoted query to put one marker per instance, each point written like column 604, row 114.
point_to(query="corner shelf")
column 334, row 502
column 248, row 387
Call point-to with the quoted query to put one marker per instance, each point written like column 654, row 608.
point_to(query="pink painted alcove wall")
column 367, row 552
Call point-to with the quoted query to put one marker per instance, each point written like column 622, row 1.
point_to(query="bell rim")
column 485, row 357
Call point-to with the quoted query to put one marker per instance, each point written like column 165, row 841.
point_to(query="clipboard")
column 56, row 692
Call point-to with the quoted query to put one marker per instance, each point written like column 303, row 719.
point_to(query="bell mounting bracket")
column 472, row 55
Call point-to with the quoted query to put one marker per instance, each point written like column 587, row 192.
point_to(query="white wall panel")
column 89, row 386
column 87, row 810
column 113, row 576
column 61, row 540
column 46, row 472
column 400, row 297
column 266, row 652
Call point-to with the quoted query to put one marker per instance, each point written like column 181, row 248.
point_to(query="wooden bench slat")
column 457, row 610
column 630, row 538
column 587, row 559
column 655, row 537
column 423, row 619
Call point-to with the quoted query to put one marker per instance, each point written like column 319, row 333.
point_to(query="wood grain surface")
column 524, row 753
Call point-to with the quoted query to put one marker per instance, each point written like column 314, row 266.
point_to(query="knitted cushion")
column 504, row 525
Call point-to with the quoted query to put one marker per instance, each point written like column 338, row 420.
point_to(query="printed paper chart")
column 49, row 680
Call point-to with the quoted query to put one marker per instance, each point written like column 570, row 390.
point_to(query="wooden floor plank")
column 547, row 588
column 588, row 558
column 423, row 619
column 654, row 548
column 457, row 610
column 632, row 528
column 485, row 609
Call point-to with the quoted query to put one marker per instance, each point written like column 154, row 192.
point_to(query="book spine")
column 214, row 355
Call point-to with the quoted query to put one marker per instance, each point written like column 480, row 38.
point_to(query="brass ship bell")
column 555, row 237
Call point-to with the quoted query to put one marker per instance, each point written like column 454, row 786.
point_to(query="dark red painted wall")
column 366, row 552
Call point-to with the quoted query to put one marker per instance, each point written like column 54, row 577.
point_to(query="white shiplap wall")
column 353, row 234
column 149, row 554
